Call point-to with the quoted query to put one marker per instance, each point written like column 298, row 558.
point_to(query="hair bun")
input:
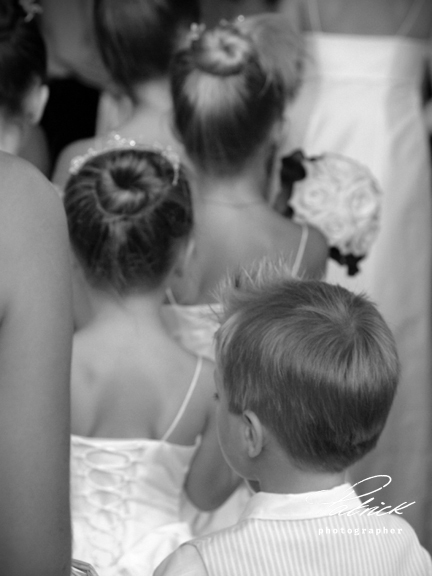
column 118, row 195
column 223, row 51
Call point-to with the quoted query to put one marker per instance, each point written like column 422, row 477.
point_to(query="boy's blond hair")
column 315, row 362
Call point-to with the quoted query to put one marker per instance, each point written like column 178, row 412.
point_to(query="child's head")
column 230, row 86
column 23, row 63
column 129, row 212
column 137, row 37
column 314, row 362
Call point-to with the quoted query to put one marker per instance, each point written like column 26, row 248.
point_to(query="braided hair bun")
column 223, row 51
column 127, row 211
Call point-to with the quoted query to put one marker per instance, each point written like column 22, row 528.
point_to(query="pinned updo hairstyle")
column 23, row 58
column 230, row 85
column 136, row 38
column 128, row 211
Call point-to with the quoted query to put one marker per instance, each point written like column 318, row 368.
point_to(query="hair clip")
column 232, row 25
column 171, row 156
column 117, row 142
column 196, row 31
column 31, row 9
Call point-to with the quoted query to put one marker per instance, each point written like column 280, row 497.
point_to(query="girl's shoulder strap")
column 301, row 250
column 186, row 400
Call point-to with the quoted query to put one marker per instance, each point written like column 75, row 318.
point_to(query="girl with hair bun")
column 142, row 407
column 136, row 39
column 23, row 93
column 230, row 86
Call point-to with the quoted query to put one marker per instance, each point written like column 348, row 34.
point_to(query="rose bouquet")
column 338, row 196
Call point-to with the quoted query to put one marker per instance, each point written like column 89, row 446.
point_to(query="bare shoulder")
column 305, row 242
column 30, row 204
column 206, row 380
column 316, row 254
column 21, row 180
column 185, row 561
column 61, row 170
column 202, row 401
column 33, row 231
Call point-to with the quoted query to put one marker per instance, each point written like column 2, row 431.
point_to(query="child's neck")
column 248, row 186
column 276, row 473
column 142, row 308
column 154, row 94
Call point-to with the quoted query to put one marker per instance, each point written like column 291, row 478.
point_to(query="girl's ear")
column 185, row 257
column 182, row 278
column 253, row 433
column 35, row 102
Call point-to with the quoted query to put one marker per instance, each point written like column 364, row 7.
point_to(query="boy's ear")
column 253, row 433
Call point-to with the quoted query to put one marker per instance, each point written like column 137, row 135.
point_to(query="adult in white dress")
column 361, row 97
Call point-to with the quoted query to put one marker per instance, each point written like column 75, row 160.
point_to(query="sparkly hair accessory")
column 116, row 142
column 196, row 31
column 31, row 9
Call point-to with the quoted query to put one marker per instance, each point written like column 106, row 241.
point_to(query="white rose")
column 341, row 198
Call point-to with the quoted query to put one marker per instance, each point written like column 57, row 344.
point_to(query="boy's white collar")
column 270, row 506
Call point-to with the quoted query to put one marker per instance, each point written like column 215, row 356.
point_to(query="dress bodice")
column 391, row 59
column 366, row 80
column 113, row 470
column 122, row 491
column 193, row 326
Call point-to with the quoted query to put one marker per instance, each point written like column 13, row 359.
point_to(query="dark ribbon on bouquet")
column 292, row 171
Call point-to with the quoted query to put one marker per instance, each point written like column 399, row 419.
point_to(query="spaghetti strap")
column 186, row 400
column 170, row 297
column 314, row 16
column 410, row 18
column 301, row 250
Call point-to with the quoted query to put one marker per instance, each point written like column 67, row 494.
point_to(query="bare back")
column 131, row 381
column 130, row 384
column 228, row 237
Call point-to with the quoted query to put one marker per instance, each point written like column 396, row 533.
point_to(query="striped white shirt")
column 305, row 535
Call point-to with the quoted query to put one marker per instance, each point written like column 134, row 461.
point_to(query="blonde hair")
column 230, row 85
column 315, row 362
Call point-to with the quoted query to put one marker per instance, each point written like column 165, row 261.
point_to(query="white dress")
column 126, row 499
column 362, row 97
column 194, row 328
